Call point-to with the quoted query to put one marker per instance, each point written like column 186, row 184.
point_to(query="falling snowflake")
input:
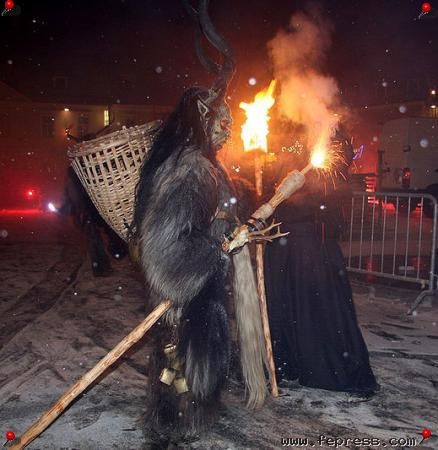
column 384, row 83
column 233, row 200
column 3, row 233
column 10, row 61
column 252, row 81
column 424, row 143
column 402, row 108
column 283, row 241
column 158, row 69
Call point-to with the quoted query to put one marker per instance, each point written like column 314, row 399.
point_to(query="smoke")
column 307, row 96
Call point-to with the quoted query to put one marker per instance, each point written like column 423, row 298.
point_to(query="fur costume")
column 182, row 213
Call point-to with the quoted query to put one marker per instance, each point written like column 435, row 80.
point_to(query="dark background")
column 109, row 50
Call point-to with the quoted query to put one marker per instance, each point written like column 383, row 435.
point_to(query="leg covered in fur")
column 202, row 349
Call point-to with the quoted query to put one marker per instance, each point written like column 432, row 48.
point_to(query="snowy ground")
column 57, row 321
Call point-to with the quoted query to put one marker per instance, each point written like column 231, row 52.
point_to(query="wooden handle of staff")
column 307, row 168
column 56, row 410
column 290, row 184
column 265, row 319
column 258, row 164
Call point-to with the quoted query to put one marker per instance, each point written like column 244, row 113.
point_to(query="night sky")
column 142, row 50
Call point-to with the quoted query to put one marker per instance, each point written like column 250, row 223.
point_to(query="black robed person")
column 316, row 337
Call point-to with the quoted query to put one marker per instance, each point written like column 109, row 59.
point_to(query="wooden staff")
column 274, row 202
column 258, row 171
column 290, row 184
column 58, row 408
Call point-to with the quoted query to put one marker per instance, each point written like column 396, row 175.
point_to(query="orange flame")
column 255, row 130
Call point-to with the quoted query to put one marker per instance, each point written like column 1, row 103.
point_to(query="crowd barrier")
column 393, row 235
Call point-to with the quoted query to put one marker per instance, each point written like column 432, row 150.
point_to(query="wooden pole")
column 258, row 172
column 57, row 409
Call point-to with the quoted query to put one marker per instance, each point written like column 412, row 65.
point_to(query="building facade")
column 34, row 142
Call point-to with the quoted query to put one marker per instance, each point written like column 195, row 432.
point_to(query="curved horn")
column 208, row 64
column 227, row 68
column 205, row 61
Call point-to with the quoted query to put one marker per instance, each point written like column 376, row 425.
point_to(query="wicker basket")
column 108, row 168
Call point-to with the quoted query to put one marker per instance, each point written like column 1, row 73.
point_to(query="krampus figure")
column 182, row 212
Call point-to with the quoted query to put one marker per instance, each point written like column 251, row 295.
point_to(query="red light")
column 426, row 7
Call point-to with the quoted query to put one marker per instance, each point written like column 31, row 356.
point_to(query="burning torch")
column 255, row 138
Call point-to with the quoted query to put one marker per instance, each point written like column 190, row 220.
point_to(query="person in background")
column 315, row 334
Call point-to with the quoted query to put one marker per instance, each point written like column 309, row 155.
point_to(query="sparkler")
column 318, row 160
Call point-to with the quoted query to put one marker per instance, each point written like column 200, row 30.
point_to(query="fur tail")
column 249, row 324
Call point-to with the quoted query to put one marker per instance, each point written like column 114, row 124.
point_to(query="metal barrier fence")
column 393, row 235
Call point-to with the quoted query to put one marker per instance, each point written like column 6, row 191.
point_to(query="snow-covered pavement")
column 57, row 321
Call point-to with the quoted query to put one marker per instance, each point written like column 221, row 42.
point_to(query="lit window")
column 106, row 117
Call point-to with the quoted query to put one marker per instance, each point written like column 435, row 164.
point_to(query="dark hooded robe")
column 315, row 334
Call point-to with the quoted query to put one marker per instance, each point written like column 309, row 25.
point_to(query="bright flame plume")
column 255, row 130
column 329, row 157
column 320, row 157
